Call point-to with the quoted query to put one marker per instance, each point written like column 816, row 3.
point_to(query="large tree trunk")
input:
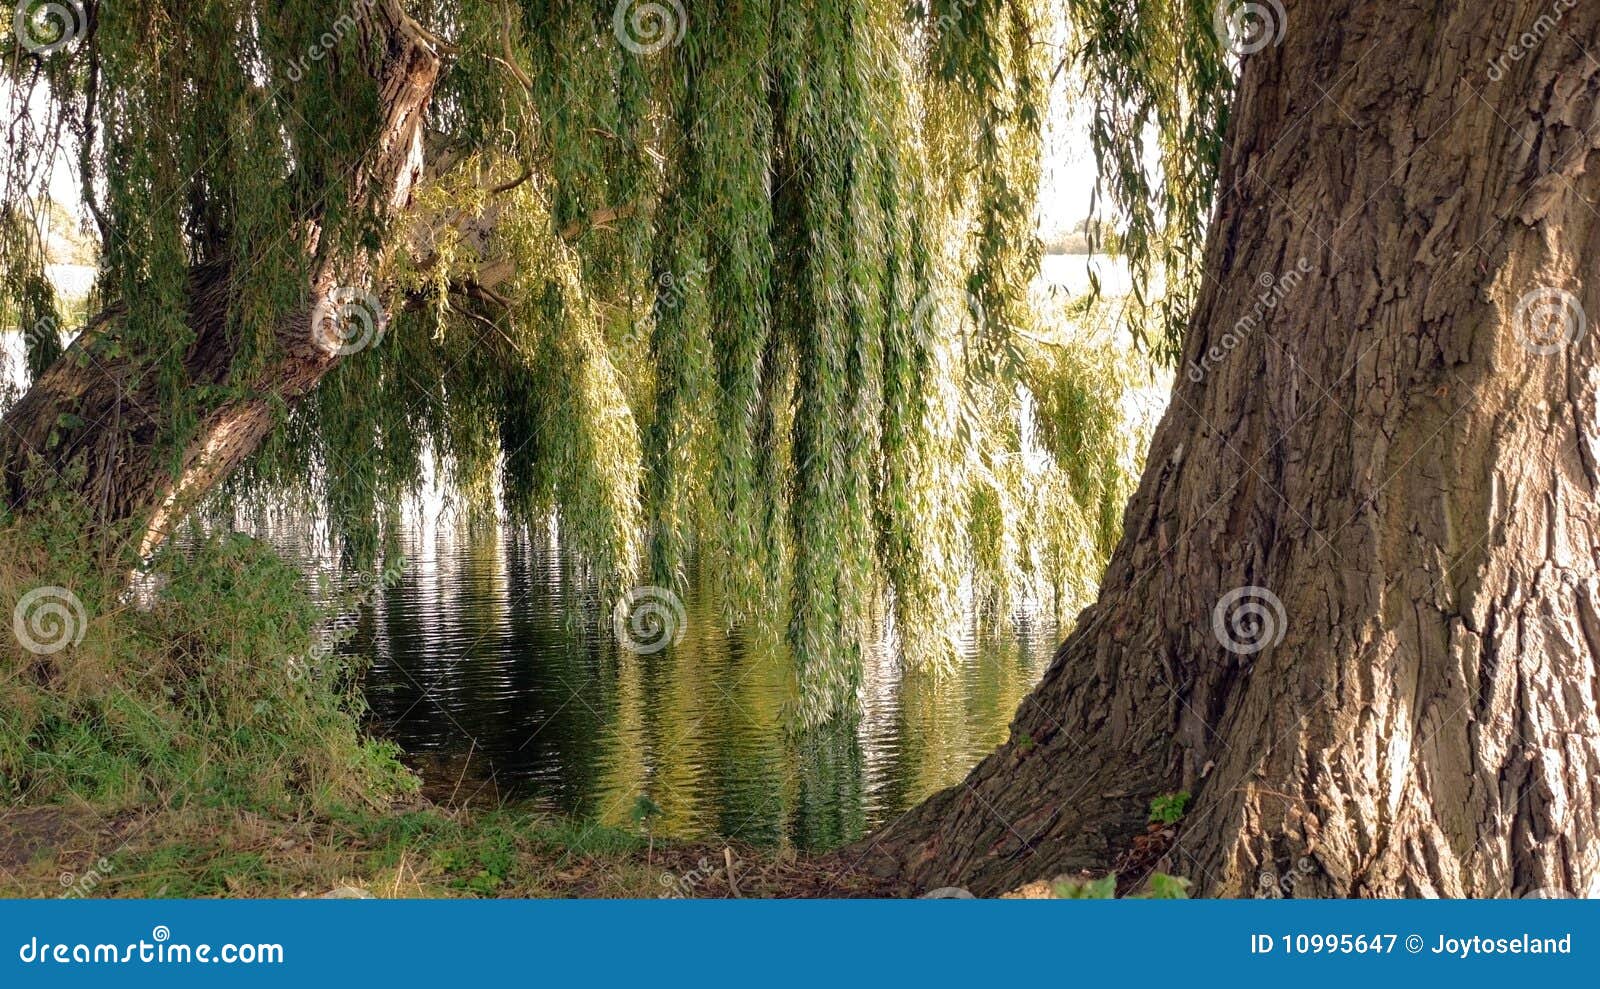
column 91, row 423
column 1401, row 449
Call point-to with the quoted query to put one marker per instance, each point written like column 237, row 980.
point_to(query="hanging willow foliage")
column 733, row 290
column 1159, row 81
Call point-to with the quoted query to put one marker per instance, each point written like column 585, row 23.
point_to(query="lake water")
column 496, row 685
column 499, row 684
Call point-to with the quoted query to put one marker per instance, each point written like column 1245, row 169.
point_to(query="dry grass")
column 421, row 851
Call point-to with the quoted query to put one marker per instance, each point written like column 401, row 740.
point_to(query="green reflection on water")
column 493, row 682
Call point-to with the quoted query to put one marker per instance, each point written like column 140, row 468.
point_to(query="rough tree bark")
column 84, row 422
column 1400, row 443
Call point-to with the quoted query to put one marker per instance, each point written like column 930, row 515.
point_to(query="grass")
column 202, row 739
column 198, row 685
column 424, row 851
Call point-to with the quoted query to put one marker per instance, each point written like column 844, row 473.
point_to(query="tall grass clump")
column 189, row 681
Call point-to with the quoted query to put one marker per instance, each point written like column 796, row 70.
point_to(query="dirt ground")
column 64, row 851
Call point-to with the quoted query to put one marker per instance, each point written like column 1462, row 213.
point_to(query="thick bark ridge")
column 83, row 426
column 1376, row 423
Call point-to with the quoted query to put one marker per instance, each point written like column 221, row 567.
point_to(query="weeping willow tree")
column 745, row 283
column 733, row 288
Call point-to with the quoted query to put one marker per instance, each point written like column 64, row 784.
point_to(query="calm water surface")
column 496, row 684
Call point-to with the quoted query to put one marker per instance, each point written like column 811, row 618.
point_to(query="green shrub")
column 197, row 687
column 1169, row 808
column 1160, row 886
